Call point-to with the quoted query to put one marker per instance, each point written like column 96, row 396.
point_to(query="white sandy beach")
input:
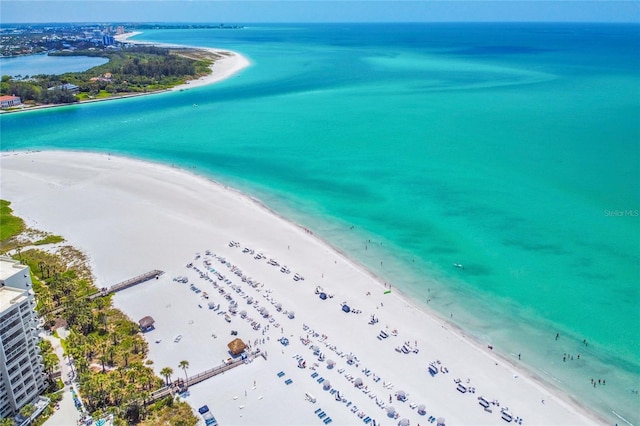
column 130, row 217
column 229, row 63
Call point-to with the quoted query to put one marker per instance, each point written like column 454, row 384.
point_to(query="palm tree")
column 166, row 372
column 27, row 411
column 125, row 358
column 50, row 361
column 184, row 365
column 7, row 422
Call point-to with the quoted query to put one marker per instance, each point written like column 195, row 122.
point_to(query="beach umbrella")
column 403, row 422
column 358, row 382
column 440, row 421
column 323, row 296
column 422, row 409
column 401, row 395
column 326, row 385
column 291, row 315
column 243, row 314
column 391, row 411
column 330, row 363
column 278, row 306
column 314, row 348
column 233, row 308
column 249, row 300
column 262, row 309
column 346, row 308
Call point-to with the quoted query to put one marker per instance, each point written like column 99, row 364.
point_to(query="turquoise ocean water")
column 513, row 149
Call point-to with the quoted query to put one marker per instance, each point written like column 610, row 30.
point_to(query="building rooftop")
column 10, row 296
column 9, row 267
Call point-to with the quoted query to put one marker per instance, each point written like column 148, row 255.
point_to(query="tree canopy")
column 136, row 69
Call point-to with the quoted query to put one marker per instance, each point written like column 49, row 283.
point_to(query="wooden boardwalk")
column 200, row 377
column 128, row 283
column 117, row 287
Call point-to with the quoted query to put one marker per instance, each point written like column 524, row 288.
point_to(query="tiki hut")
column 146, row 323
column 236, row 346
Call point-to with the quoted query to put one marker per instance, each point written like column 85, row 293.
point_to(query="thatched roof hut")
column 236, row 346
column 146, row 323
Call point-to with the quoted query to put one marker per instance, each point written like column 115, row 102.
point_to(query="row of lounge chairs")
column 259, row 256
column 323, row 416
column 281, row 374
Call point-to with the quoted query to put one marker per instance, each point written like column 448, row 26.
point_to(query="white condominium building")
column 22, row 376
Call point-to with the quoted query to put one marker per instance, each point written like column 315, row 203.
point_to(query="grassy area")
column 49, row 239
column 103, row 94
column 10, row 225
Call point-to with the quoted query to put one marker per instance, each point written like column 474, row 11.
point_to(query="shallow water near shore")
column 414, row 147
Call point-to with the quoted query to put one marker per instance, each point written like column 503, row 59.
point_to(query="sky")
column 249, row 11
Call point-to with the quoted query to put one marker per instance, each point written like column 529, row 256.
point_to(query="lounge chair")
column 317, row 411
column 288, row 381
column 280, row 374
column 314, row 375
column 322, row 415
column 327, row 420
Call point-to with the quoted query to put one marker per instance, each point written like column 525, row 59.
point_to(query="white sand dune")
column 131, row 217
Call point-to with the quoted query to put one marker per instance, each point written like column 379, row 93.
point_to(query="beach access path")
column 131, row 216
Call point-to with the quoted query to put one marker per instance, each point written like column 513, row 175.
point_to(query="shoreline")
column 229, row 64
column 414, row 313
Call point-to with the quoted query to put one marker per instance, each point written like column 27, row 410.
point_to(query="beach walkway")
column 139, row 279
column 201, row 377
column 128, row 283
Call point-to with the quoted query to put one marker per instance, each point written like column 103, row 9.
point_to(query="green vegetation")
column 10, row 225
column 15, row 235
column 49, row 239
column 107, row 348
column 137, row 69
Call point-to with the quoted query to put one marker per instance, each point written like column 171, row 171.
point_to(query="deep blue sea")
column 513, row 149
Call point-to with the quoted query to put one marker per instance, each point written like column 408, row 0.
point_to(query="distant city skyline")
column 210, row 11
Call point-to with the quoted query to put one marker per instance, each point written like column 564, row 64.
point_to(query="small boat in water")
column 458, row 265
